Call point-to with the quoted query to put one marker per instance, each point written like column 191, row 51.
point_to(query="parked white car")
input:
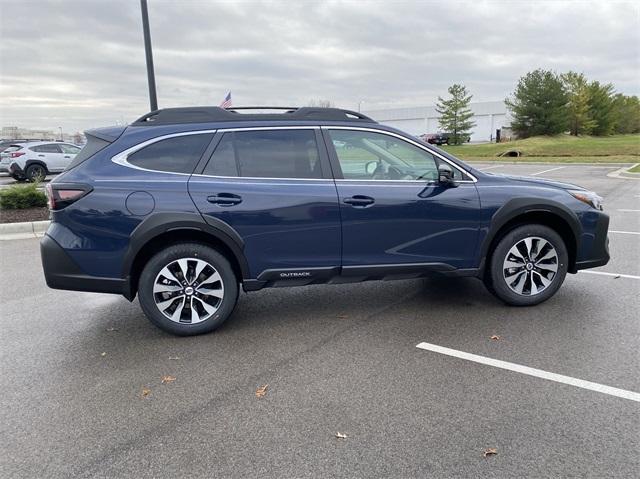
column 35, row 160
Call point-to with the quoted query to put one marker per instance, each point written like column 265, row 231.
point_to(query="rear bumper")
column 61, row 272
column 599, row 251
column 15, row 171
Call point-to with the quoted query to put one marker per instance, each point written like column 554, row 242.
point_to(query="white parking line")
column 539, row 373
column 491, row 167
column 629, row 211
column 624, row 232
column 616, row 275
column 547, row 171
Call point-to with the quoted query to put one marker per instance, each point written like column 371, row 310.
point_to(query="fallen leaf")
column 168, row 379
column 343, row 316
column 616, row 277
column 174, row 358
column 145, row 392
column 491, row 451
column 262, row 391
column 339, row 435
column 112, row 329
column 495, row 337
column 103, row 354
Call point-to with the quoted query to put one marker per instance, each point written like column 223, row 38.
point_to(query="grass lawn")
column 635, row 169
column 552, row 159
column 561, row 148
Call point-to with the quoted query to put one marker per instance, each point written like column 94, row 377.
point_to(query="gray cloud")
column 80, row 64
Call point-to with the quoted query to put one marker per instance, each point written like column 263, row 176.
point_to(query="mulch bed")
column 27, row 214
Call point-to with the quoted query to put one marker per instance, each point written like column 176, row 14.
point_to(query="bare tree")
column 320, row 103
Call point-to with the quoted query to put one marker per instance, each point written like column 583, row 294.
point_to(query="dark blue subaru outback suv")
column 186, row 204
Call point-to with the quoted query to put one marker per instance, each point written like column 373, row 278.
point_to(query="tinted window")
column 266, row 154
column 178, row 154
column 365, row 155
column 50, row 148
column 69, row 149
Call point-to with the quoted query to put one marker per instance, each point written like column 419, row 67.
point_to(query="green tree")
column 577, row 89
column 455, row 114
column 539, row 105
column 601, row 108
column 626, row 113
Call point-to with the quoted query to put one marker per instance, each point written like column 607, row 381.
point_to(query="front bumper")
column 598, row 254
column 61, row 272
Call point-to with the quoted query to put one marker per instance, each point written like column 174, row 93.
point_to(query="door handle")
column 67, row 156
column 224, row 199
column 359, row 201
column 40, row 155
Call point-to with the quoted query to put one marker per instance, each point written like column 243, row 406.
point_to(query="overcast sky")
column 81, row 64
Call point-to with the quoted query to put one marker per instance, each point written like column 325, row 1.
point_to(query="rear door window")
column 49, row 148
column 267, row 154
column 178, row 154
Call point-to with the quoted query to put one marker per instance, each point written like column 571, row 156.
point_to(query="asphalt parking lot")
column 6, row 180
column 336, row 359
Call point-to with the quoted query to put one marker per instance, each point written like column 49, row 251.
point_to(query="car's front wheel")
column 188, row 289
column 528, row 265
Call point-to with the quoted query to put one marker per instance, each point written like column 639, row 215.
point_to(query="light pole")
column 151, row 78
column 60, row 133
column 359, row 103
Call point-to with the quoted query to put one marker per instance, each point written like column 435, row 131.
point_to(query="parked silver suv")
column 35, row 160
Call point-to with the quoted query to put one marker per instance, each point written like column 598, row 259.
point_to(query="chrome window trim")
column 408, row 140
column 122, row 157
column 261, row 178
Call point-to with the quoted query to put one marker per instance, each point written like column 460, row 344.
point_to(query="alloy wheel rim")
column 38, row 174
column 530, row 266
column 188, row 290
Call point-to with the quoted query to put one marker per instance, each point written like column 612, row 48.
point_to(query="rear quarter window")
column 179, row 154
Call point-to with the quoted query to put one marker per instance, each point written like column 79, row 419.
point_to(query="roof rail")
column 206, row 114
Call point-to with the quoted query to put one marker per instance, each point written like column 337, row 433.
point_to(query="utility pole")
column 151, row 78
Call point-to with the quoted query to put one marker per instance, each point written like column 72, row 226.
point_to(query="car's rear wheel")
column 36, row 173
column 188, row 289
column 527, row 266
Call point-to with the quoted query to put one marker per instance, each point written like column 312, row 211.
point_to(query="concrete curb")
column 623, row 174
column 14, row 231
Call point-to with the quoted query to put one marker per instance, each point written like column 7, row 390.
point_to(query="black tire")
column 168, row 256
column 36, row 173
column 496, row 276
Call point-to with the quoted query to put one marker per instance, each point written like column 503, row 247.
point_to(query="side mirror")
column 445, row 175
column 370, row 167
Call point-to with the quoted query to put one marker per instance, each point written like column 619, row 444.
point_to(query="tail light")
column 17, row 154
column 61, row 195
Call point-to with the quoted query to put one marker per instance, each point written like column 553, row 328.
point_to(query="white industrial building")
column 489, row 116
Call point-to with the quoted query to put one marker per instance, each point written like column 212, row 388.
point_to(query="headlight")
column 588, row 197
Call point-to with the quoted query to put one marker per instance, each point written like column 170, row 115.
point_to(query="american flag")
column 226, row 103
